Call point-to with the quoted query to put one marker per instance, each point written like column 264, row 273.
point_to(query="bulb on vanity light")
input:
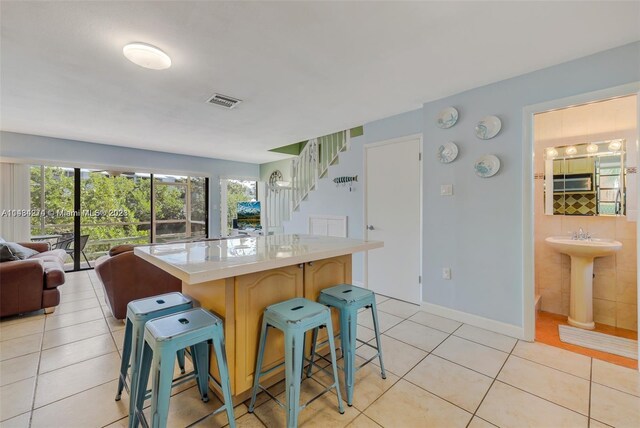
column 615, row 145
column 592, row 148
column 552, row 152
column 571, row 150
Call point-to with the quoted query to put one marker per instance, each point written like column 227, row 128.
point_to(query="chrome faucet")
column 581, row 235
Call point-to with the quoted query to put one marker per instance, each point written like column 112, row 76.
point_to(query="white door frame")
column 365, row 209
column 528, row 253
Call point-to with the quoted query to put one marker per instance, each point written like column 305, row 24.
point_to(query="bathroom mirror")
column 585, row 179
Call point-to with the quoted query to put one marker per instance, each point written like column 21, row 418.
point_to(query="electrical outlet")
column 446, row 189
column 446, row 273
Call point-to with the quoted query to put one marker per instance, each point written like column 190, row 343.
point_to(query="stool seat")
column 296, row 310
column 190, row 322
column 348, row 293
column 144, row 307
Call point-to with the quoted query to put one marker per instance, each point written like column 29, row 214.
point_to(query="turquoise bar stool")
column 349, row 299
column 294, row 318
column 163, row 338
column 138, row 313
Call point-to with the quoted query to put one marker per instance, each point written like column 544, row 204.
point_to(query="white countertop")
column 197, row 262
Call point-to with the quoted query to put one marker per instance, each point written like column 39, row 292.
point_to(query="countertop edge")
column 253, row 267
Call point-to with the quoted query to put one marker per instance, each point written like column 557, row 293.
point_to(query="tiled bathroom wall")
column 615, row 296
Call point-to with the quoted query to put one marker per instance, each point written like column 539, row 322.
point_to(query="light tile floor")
column 60, row 370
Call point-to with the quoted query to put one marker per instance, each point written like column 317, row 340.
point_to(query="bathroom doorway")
column 583, row 219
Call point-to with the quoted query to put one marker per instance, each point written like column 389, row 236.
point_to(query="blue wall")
column 56, row 151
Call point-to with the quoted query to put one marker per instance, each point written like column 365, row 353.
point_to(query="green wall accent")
column 296, row 148
column 357, row 131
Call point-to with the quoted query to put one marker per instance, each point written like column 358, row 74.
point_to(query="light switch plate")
column 446, row 189
column 446, row 273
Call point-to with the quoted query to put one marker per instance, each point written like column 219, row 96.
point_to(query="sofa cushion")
column 52, row 255
column 19, row 251
column 120, row 249
column 6, row 255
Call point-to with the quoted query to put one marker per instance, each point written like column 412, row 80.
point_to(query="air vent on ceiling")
column 224, row 101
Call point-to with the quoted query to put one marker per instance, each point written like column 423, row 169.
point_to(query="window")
column 234, row 191
column 115, row 208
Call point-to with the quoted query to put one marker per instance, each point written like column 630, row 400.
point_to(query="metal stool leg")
column 314, row 340
column 200, row 355
column 332, row 346
column 162, row 366
column 374, row 313
column 137, row 344
column 256, row 373
column 180, row 355
column 348, row 331
column 126, row 357
column 294, row 353
column 223, row 370
column 143, row 379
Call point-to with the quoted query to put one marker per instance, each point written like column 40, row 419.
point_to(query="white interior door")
column 393, row 215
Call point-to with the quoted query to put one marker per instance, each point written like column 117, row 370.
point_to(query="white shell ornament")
column 488, row 127
column 447, row 118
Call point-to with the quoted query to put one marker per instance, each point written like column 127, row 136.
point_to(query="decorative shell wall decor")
column 447, row 152
column 447, row 118
column 488, row 127
column 487, row 166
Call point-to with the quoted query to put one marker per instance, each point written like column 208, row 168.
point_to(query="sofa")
column 126, row 277
column 32, row 284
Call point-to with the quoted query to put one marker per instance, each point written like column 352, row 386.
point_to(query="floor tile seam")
column 439, row 396
column 590, row 388
column 35, row 384
column 66, row 296
column 23, row 335
column 553, row 368
column 484, row 344
column 77, row 323
column 396, row 315
column 16, row 321
column 16, row 416
column 616, row 389
column 74, row 341
column 71, row 395
column 406, row 343
column 79, row 361
column 55, row 315
column 436, row 328
column 493, row 382
column 542, row 398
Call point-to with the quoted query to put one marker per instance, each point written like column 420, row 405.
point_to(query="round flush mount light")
column 571, row 150
column 147, row 56
column 592, row 148
column 552, row 152
column 615, row 145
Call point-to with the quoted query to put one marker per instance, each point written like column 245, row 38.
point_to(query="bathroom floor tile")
column 398, row 357
column 567, row 361
column 64, row 382
column 398, row 308
column 614, row 407
column 486, row 337
column 456, row 384
column 19, row 368
column 20, row 421
column 385, row 320
column 80, row 410
column 558, row 387
column 617, row 377
column 417, row 335
column 75, row 352
column 16, row 398
column 480, row 358
column 506, row 406
column 20, row 346
column 406, row 405
column 434, row 321
column 74, row 333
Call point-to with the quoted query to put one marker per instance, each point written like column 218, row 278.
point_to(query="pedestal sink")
column 582, row 253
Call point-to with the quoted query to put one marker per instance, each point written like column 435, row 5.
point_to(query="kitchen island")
column 238, row 278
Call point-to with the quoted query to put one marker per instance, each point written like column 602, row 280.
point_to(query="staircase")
column 311, row 165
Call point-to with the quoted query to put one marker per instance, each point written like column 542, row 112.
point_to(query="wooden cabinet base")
column 241, row 301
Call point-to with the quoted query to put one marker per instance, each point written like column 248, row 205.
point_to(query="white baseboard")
column 475, row 320
column 358, row 284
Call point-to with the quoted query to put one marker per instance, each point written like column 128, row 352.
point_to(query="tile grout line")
column 590, row 386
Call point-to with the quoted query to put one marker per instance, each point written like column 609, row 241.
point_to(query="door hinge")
column 419, row 279
column 419, row 156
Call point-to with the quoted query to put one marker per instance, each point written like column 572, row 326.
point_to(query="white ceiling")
column 303, row 69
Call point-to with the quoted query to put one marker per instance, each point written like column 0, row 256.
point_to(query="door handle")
column 370, row 227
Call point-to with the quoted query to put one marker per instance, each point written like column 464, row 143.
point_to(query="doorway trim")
column 528, row 238
column 365, row 234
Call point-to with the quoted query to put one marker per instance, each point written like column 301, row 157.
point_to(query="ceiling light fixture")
column 552, row 152
column 615, row 145
column 592, row 148
column 571, row 150
column 146, row 56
